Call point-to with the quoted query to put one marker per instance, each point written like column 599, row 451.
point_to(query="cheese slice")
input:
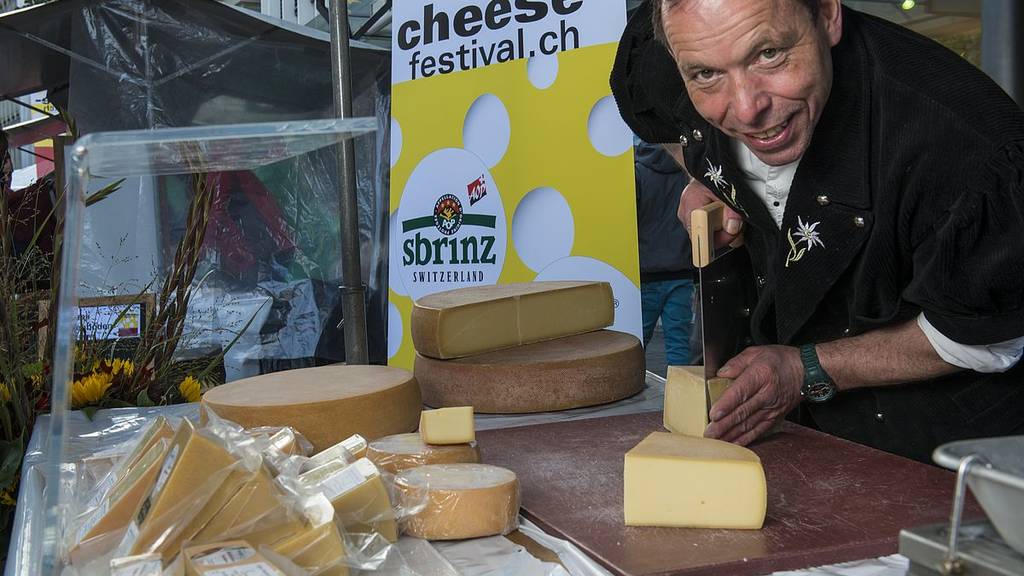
column 481, row 319
column 347, row 451
column 448, row 426
column 319, row 550
column 682, row 481
column 392, row 454
column 572, row 372
column 326, row 404
column 685, row 403
column 233, row 558
column 357, row 492
column 458, row 501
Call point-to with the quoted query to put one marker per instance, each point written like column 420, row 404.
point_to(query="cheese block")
column 571, row 372
column 685, row 403
column 318, row 550
column 347, row 451
column 392, row 454
column 458, row 501
column 202, row 480
column 233, row 558
column 357, row 492
column 256, row 498
column 326, row 404
column 480, row 319
column 448, row 426
column 683, row 481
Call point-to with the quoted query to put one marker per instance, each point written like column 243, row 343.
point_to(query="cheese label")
column 144, row 565
column 343, row 482
column 256, row 569
column 101, row 490
column 165, row 470
column 130, row 536
column 93, row 519
column 226, row 555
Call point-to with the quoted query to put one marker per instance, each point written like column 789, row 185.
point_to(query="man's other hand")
column 766, row 386
column 696, row 195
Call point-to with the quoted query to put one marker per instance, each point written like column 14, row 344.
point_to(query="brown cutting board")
column 829, row 500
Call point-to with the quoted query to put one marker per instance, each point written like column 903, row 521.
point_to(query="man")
column 879, row 183
column 666, row 267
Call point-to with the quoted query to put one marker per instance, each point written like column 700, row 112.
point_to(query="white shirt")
column 772, row 184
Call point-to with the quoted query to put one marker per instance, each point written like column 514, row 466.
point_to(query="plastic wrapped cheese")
column 460, row 501
column 398, row 452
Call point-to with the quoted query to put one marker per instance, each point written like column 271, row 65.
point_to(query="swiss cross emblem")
column 476, row 190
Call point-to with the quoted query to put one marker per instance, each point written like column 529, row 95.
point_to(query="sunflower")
column 90, row 389
column 190, row 389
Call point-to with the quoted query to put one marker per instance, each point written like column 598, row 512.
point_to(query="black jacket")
column 664, row 244
column 915, row 176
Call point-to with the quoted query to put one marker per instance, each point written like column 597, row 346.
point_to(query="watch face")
column 819, row 391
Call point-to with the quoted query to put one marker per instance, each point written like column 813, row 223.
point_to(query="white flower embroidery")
column 715, row 175
column 805, row 234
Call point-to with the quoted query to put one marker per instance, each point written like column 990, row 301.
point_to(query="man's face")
column 758, row 70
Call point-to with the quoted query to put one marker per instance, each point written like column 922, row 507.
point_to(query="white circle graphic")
column 542, row 70
column 627, row 295
column 543, row 228
column 608, row 132
column 395, row 330
column 395, row 281
column 451, row 230
column 487, row 129
column 396, row 142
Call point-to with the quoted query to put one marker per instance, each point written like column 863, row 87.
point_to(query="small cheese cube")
column 448, row 425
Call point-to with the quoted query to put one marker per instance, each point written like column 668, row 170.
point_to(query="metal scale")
column 994, row 470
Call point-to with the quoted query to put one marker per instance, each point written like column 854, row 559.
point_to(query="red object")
column 829, row 500
column 228, row 237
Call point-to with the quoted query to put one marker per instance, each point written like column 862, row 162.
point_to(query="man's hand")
column 766, row 386
column 696, row 195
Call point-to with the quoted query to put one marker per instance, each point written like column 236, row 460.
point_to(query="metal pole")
column 352, row 289
column 1002, row 47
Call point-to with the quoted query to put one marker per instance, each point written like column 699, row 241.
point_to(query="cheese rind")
column 683, row 481
column 562, row 374
column 398, row 452
column 481, row 319
column 448, row 426
column 326, row 404
column 458, row 501
column 685, row 402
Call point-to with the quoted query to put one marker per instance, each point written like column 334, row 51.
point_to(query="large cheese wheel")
column 403, row 451
column 326, row 404
column 481, row 319
column 572, row 372
column 458, row 501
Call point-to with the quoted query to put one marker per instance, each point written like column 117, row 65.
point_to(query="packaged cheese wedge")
column 392, row 454
column 234, row 558
column 481, row 319
column 448, row 426
column 683, row 481
column 347, row 451
column 255, row 499
column 129, row 456
column 460, row 501
column 318, row 550
column 357, row 492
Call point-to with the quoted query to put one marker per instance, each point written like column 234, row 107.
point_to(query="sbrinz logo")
column 448, row 218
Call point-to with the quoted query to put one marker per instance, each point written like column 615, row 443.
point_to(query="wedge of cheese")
column 458, row 501
column 326, row 404
column 392, row 454
column 357, row 492
column 683, row 481
column 685, row 403
column 482, row 319
column 448, row 426
column 561, row 374
column 234, row 558
column 254, row 500
column 318, row 550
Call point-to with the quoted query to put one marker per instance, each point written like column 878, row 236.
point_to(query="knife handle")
column 704, row 222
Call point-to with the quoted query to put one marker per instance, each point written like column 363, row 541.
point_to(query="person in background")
column 666, row 267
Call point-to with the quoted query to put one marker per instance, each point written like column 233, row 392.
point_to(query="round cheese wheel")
column 572, row 372
column 458, row 501
column 399, row 452
column 326, row 404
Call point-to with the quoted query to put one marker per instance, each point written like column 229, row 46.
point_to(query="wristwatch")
column 818, row 386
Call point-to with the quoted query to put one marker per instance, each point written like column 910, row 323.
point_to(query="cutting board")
column 829, row 500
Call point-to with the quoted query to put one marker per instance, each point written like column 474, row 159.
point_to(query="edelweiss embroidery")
column 714, row 174
column 805, row 234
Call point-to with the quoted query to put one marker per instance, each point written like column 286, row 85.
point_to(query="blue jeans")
column 672, row 301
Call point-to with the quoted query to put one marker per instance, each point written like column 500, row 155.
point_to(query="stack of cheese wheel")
column 518, row 348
